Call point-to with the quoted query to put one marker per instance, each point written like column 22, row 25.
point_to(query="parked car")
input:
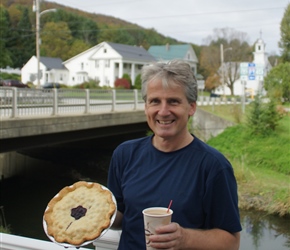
column 214, row 95
column 13, row 83
column 51, row 85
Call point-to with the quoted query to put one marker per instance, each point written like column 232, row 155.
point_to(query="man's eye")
column 153, row 101
column 173, row 101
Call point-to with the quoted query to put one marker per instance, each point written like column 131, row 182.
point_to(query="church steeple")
column 260, row 45
column 260, row 54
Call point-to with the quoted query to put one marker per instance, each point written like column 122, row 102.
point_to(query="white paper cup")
column 153, row 218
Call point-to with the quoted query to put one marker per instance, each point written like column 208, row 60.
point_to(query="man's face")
column 167, row 110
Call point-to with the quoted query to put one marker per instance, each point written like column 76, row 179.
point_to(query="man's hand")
column 173, row 237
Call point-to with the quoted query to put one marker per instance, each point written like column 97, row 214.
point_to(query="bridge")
column 36, row 117
column 39, row 117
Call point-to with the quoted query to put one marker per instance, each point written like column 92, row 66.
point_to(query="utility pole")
column 36, row 9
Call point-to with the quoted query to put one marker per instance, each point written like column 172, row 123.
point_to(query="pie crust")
column 79, row 213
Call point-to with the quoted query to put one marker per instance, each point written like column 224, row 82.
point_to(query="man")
column 173, row 164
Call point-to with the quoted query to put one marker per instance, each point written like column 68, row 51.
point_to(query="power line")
column 208, row 13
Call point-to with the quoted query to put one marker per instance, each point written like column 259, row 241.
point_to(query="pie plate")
column 66, row 245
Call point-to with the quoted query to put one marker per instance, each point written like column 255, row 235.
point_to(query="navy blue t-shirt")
column 198, row 179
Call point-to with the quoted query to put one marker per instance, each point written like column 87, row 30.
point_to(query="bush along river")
column 25, row 197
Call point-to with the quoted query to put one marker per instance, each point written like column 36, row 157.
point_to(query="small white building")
column 51, row 70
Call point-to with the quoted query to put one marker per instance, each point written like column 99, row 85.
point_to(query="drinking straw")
column 169, row 206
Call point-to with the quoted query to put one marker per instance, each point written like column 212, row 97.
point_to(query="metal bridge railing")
column 17, row 103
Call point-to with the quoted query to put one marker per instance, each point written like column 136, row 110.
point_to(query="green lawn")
column 261, row 164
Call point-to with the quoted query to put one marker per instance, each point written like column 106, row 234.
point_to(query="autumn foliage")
column 122, row 83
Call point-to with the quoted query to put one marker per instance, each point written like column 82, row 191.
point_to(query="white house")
column 51, row 70
column 106, row 62
column 251, row 73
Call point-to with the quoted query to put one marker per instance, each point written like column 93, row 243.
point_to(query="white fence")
column 109, row 241
column 18, row 103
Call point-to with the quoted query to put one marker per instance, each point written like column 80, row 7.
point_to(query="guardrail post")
column 14, row 103
column 201, row 100
column 135, row 99
column 113, row 100
column 55, row 101
column 87, row 101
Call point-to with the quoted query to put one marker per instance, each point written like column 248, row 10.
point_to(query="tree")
column 77, row 47
column 263, row 117
column 24, row 44
column 80, row 27
column 5, row 58
column 210, row 58
column 56, row 40
column 277, row 82
column 284, row 43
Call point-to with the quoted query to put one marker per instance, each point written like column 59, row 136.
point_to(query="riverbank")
column 261, row 166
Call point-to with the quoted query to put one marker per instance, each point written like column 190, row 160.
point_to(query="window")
column 188, row 56
column 107, row 63
column 82, row 66
column 96, row 63
column 105, row 50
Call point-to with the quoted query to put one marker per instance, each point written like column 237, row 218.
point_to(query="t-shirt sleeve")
column 221, row 201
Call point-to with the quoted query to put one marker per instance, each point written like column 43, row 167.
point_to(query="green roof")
column 169, row 52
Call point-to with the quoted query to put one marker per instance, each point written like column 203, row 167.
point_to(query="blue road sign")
column 251, row 71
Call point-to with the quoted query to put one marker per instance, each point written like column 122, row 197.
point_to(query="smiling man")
column 173, row 164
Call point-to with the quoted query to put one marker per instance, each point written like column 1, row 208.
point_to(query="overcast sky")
column 193, row 21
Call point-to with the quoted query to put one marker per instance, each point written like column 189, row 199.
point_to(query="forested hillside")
column 68, row 32
column 64, row 33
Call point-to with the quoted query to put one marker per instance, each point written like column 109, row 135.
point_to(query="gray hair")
column 173, row 72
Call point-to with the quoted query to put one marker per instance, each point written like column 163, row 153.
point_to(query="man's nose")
column 164, row 109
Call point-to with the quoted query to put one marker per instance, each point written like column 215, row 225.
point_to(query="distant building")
column 51, row 70
column 180, row 51
column 253, row 79
column 106, row 62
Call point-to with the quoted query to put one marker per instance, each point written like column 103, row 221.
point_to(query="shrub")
column 263, row 117
column 126, row 76
column 122, row 83
column 91, row 84
column 138, row 82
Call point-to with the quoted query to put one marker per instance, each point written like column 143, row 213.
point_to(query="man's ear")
column 192, row 108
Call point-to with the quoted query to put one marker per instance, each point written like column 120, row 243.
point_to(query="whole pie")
column 79, row 213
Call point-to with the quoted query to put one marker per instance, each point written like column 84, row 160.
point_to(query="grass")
column 261, row 164
column 4, row 230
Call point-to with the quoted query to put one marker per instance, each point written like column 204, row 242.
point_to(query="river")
column 25, row 197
